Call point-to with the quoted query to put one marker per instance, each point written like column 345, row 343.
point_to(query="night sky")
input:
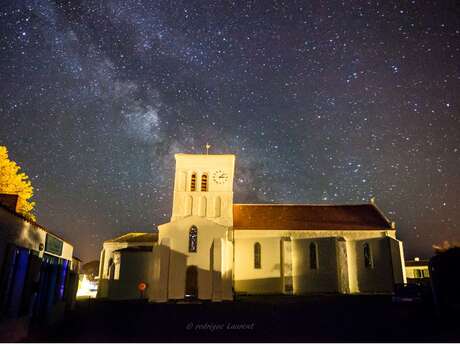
column 321, row 101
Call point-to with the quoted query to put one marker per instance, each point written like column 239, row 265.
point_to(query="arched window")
column 368, row 262
column 204, row 182
column 313, row 256
column 193, row 239
column 203, row 205
column 193, row 183
column 217, row 206
column 257, row 255
column 189, row 206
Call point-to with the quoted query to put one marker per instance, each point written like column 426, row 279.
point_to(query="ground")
column 254, row 318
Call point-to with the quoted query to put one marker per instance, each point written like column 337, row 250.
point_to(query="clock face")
column 220, row 176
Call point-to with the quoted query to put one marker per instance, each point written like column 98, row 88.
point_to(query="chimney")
column 9, row 200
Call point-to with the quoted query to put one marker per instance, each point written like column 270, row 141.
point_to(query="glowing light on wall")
column 87, row 288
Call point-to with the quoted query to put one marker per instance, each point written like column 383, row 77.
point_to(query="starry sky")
column 321, row 101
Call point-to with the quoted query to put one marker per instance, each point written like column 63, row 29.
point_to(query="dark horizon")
column 320, row 102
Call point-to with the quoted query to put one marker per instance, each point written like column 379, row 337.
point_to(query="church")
column 213, row 249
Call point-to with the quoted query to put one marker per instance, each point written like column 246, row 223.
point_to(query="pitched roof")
column 136, row 237
column 18, row 215
column 308, row 217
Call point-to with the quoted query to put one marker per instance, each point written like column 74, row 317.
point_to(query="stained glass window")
column 193, row 239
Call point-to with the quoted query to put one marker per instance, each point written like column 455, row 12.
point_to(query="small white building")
column 126, row 261
column 417, row 270
column 213, row 248
column 38, row 273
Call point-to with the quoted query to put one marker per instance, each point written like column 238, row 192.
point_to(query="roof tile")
column 308, row 217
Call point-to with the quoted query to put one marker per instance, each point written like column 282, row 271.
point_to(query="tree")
column 14, row 182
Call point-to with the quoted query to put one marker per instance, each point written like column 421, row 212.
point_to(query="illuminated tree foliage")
column 14, row 182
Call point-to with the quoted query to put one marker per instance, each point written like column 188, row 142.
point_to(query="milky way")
column 321, row 101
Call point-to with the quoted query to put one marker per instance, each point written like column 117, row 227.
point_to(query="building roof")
column 136, row 237
column 16, row 214
column 413, row 263
column 136, row 249
column 309, row 217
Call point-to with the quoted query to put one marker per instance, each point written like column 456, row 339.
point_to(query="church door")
column 191, row 282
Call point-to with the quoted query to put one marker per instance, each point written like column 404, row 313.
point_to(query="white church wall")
column 177, row 269
column 204, row 282
column 217, row 193
column 107, row 253
column 160, row 271
column 180, row 257
column 397, row 260
column 210, row 204
column 217, row 268
column 267, row 278
column 379, row 277
column 324, row 278
column 227, row 270
column 342, row 266
column 286, row 265
column 135, row 267
column 352, row 267
column 345, row 272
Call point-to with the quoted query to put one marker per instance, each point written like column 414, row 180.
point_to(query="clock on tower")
column 220, row 176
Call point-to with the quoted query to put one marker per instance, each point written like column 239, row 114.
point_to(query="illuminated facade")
column 194, row 254
column 213, row 248
column 417, row 270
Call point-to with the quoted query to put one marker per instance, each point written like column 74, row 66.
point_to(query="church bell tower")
column 203, row 187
